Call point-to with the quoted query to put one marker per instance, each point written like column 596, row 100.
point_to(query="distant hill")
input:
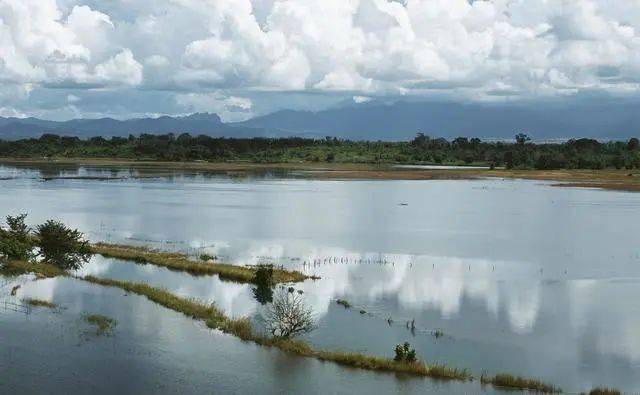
column 402, row 120
column 199, row 123
column 603, row 119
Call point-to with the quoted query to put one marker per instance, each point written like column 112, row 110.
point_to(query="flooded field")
column 489, row 275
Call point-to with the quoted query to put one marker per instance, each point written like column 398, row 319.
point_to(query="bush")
column 404, row 353
column 288, row 316
column 263, row 279
column 62, row 246
column 16, row 242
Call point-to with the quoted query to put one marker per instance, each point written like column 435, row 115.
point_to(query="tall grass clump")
column 515, row 382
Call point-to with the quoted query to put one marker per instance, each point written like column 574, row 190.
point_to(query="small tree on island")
column 288, row 316
column 62, row 246
column 404, row 353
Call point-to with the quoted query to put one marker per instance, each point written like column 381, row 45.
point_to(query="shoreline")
column 609, row 179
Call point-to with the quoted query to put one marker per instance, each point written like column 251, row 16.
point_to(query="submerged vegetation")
column 104, row 325
column 521, row 154
column 181, row 262
column 515, row 382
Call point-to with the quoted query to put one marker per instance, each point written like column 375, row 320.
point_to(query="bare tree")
column 288, row 316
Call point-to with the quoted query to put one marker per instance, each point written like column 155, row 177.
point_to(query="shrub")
column 62, row 246
column 288, row 316
column 404, row 353
column 263, row 278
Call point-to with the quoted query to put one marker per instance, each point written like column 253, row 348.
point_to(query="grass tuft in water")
column 181, row 262
column 40, row 303
column 515, row 382
column 104, row 325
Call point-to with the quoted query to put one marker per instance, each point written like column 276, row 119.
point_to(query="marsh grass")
column 515, row 382
column 16, row 268
column 604, row 391
column 40, row 303
column 241, row 328
column 181, row 262
column 104, row 325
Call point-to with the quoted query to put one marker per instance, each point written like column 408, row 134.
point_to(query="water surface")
column 520, row 276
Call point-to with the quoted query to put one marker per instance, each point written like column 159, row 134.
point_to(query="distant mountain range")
column 199, row 123
column 604, row 119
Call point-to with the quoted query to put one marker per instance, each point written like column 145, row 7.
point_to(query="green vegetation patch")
column 343, row 302
column 180, row 262
column 515, row 382
column 104, row 325
column 40, row 303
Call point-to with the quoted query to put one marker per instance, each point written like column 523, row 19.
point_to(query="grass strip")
column 241, row 328
column 181, row 262
column 40, row 303
column 16, row 268
column 515, row 382
column 604, row 391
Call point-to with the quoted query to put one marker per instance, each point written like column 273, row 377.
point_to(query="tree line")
column 522, row 153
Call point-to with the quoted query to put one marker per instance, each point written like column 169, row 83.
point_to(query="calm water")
column 521, row 277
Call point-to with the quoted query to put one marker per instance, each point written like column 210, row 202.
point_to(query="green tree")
column 61, row 246
column 15, row 241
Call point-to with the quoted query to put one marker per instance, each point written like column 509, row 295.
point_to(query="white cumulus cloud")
column 472, row 49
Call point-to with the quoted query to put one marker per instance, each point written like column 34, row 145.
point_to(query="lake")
column 519, row 276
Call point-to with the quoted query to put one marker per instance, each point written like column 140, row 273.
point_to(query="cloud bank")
column 225, row 54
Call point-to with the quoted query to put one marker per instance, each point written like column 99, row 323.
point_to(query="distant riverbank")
column 623, row 180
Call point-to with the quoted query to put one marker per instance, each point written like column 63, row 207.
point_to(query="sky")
column 62, row 59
